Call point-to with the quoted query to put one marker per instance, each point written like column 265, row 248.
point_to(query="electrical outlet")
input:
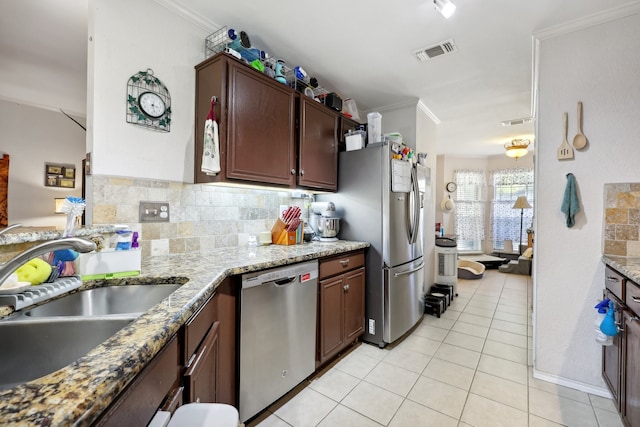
column 154, row 211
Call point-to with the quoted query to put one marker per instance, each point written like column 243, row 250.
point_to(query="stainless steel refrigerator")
column 380, row 200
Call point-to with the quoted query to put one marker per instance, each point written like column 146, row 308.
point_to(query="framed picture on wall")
column 54, row 169
column 67, row 183
column 69, row 173
column 60, row 175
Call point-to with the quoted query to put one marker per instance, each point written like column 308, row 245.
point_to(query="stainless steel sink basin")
column 32, row 348
column 105, row 301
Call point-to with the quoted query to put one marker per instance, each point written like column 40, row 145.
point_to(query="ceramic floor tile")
column 450, row 314
column 503, row 391
column 334, row 384
column 505, row 351
column 273, row 421
column 449, row 373
column 478, row 311
column 442, row 322
column 476, row 320
column 506, row 369
column 431, row 332
column 357, row 365
column 535, row 421
column 439, row 396
column 567, row 392
column 520, row 310
column 421, row 345
column 371, row 350
column 373, row 402
column 608, row 419
column 485, row 305
column 407, row 359
column 561, row 409
column 486, row 298
column 458, row 355
column 471, row 329
column 515, row 318
column 345, row 417
column 508, row 338
column 392, row 378
column 483, row 412
column 515, row 328
column 412, row 414
column 466, row 341
column 602, row 403
column 307, row 408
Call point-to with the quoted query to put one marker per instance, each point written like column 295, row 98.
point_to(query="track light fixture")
column 445, row 7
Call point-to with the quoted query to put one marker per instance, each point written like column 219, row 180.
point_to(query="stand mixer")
column 324, row 222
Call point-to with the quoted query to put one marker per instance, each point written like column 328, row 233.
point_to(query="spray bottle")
column 602, row 338
column 608, row 325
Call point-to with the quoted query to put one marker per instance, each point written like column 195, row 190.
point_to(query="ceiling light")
column 445, row 7
column 515, row 122
column 517, row 148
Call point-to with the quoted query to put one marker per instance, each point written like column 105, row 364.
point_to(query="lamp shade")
column 517, row 148
column 521, row 203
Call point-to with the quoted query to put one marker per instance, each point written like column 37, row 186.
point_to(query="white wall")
column 598, row 66
column 128, row 37
column 32, row 137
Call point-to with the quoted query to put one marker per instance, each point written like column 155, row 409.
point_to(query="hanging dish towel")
column 570, row 202
column 211, row 150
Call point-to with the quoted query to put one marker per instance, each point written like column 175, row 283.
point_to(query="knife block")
column 280, row 235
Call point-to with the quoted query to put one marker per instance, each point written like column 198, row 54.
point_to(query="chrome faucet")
column 75, row 243
column 11, row 227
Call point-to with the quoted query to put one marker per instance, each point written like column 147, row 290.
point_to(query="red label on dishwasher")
column 304, row 277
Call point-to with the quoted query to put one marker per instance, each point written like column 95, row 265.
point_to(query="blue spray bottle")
column 600, row 337
column 608, row 325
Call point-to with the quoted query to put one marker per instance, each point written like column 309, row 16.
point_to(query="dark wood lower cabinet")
column 340, row 304
column 201, row 376
column 631, row 401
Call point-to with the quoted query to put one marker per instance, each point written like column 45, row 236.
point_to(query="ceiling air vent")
column 426, row 53
column 515, row 122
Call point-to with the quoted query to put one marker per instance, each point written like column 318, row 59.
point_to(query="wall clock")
column 148, row 102
column 451, row 186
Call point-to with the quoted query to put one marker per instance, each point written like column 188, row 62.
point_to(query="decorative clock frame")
column 142, row 84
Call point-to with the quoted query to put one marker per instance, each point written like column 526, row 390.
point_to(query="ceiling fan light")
column 445, row 7
column 517, row 148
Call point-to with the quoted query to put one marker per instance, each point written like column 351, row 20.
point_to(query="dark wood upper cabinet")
column 318, row 145
column 269, row 134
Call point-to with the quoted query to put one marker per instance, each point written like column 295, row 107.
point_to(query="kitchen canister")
column 374, row 127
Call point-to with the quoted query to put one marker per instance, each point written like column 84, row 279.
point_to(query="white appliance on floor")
column 447, row 262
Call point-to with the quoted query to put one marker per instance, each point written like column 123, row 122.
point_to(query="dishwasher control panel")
column 301, row 272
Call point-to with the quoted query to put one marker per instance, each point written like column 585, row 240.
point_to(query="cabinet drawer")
column 339, row 264
column 632, row 298
column 614, row 282
column 198, row 326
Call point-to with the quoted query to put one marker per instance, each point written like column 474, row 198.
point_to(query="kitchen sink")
column 33, row 348
column 105, row 301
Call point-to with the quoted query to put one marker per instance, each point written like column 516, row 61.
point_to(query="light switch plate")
column 154, row 212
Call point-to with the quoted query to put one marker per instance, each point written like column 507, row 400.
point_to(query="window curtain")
column 508, row 185
column 470, row 208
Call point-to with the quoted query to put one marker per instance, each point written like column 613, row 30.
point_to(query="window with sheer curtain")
column 470, row 208
column 508, row 185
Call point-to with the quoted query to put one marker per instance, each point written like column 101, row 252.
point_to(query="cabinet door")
column 331, row 316
column 611, row 357
column 631, row 398
column 201, row 376
column 260, row 128
column 318, row 146
column 354, row 304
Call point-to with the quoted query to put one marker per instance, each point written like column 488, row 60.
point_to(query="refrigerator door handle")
column 415, row 223
column 413, row 270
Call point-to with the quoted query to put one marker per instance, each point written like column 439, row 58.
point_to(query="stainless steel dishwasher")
column 277, row 333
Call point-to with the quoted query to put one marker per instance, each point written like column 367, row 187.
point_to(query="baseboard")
column 576, row 385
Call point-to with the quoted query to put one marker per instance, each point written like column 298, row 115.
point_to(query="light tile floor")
column 471, row 367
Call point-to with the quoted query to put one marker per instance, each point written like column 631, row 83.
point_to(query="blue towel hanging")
column 570, row 202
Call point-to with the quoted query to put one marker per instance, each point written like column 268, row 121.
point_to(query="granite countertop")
column 627, row 266
column 78, row 393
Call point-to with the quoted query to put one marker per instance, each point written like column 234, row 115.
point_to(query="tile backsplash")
column 202, row 217
column 622, row 219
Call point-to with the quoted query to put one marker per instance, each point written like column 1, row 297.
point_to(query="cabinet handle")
column 293, row 171
column 613, row 278
column 635, row 298
column 344, row 262
column 346, row 287
column 301, row 172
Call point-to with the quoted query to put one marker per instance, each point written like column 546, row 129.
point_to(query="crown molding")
column 189, row 15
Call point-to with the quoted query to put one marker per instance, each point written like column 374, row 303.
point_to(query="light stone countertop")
column 78, row 393
column 627, row 266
